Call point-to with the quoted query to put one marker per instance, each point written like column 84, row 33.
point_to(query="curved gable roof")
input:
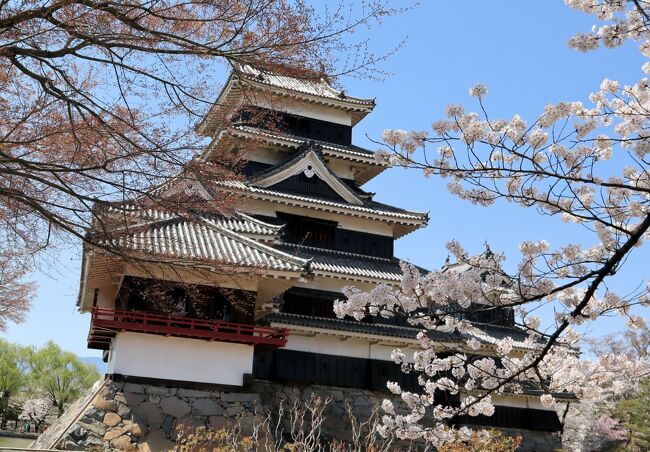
column 310, row 163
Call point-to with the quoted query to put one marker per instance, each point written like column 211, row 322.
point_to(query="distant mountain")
column 97, row 362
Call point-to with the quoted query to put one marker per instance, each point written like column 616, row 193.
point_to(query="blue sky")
column 518, row 48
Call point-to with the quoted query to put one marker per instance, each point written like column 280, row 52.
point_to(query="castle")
column 270, row 272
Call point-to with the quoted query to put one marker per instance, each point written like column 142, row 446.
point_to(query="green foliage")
column 12, row 376
column 59, row 375
column 48, row 372
column 634, row 414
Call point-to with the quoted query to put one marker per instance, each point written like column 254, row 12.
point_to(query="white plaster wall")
column 308, row 110
column 106, row 297
column 270, row 156
column 343, row 169
column 174, row 358
column 351, row 347
column 519, row 402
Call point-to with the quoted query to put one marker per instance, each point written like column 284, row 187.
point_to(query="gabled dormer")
column 307, row 173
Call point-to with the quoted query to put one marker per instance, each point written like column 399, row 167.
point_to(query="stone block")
column 123, row 410
column 114, row 433
column 207, row 407
column 95, row 427
column 135, row 429
column 78, row 433
column 337, row 396
column 247, row 425
column 147, row 413
column 361, row 401
column 131, row 399
column 95, row 413
column 156, row 390
column 154, row 398
column 104, row 404
column 68, row 445
column 167, row 425
column 133, row 387
column 192, row 393
column 123, row 443
column 239, row 397
column 155, row 441
column 186, row 426
column 111, row 419
column 234, row 410
column 217, row 422
column 175, row 407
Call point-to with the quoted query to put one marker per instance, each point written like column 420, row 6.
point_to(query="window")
column 301, row 126
column 309, row 231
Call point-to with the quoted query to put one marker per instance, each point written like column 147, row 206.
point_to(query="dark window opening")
column 364, row 243
column 325, row 234
column 301, row 126
column 308, row 231
column 313, row 303
column 320, row 303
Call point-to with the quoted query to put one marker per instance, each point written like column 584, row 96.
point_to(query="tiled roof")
column 371, row 208
column 349, row 264
column 237, row 222
column 404, row 332
column 380, row 329
column 205, row 241
column 331, row 149
column 311, row 87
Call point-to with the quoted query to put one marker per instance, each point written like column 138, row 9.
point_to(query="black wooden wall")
column 292, row 366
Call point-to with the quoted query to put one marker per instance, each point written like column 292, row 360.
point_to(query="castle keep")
column 270, row 272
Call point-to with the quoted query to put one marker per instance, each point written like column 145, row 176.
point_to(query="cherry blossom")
column 585, row 162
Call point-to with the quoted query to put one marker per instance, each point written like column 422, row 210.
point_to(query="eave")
column 410, row 220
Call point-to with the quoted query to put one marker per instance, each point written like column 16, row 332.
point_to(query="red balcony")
column 106, row 323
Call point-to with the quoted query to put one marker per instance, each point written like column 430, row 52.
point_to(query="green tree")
column 635, row 418
column 12, row 375
column 59, row 375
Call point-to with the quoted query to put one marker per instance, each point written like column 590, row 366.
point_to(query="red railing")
column 105, row 323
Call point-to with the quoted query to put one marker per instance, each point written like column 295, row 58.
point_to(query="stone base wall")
column 145, row 417
column 149, row 417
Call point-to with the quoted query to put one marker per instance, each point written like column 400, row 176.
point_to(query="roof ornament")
column 309, row 171
column 342, row 95
column 488, row 252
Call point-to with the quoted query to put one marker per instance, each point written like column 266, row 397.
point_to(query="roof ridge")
column 411, row 215
column 258, row 221
column 262, row 76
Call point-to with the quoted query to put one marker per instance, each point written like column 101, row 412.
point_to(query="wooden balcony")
column 106, row 323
